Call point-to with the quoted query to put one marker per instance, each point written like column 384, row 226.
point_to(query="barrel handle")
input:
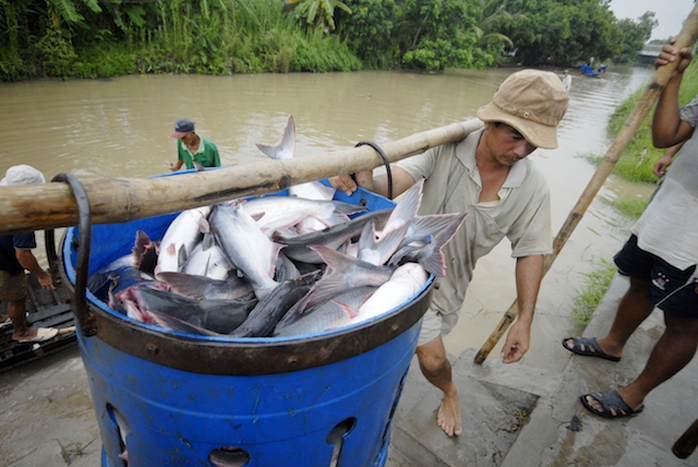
column 86, row 320
column 386, row 162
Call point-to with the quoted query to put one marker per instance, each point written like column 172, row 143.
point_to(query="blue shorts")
column 669, row 288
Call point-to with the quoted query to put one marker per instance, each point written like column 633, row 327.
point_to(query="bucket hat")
column 531, row 101
column 182, row 127
column 22, row 175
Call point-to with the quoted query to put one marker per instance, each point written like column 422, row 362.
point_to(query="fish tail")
column 434, row 261
column 408, row 206
column 287, row 143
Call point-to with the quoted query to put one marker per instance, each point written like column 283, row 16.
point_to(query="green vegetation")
column 595, row 285
column 637, row 162
column 632, row 208
column 102, row 38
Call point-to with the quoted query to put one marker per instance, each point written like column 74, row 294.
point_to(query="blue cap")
column 182, row 127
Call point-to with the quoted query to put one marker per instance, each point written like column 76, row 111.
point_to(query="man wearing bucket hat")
column 487, row 175
column 15, row 257
column 193, row 148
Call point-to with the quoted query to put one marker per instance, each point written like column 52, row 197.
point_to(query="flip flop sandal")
column 5, row 322
column 42, row 334
column 610, row 402
column 588, row 347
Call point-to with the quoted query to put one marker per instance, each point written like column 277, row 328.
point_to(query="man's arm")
column 401, row 182
column 529, row 273
column 28, row 261
column 667, row 127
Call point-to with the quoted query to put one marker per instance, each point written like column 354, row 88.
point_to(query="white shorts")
column 435, row 324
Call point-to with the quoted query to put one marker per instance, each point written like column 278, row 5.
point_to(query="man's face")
column 188, row 138
column 507, row 145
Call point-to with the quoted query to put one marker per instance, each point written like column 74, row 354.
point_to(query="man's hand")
column 349, row 184
column 661, row 165
column 517, row 342
column 669, row 54
column 46, row 281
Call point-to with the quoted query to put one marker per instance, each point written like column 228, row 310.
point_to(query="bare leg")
column 672, row 352
column 437, row 369
column 18, row 314
column 633, row 309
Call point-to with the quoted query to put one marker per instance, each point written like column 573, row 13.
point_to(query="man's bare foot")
column 28, row 334
column 35, row 335
column 448, row 416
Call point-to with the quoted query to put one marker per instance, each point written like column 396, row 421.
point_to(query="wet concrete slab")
column 46, row 414
column 559, row 431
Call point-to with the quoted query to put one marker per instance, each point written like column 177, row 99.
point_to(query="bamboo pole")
column 113, row 200
column 686, row 444
column 626, row 133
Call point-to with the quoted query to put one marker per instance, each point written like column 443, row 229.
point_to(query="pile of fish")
column 278, row 265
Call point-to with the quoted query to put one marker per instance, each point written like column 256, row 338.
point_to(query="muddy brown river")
column 120, row 127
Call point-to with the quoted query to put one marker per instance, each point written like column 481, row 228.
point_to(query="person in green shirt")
column 192, row 148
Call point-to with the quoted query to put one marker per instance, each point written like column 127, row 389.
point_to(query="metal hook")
column 86, row 321
column 385, row 162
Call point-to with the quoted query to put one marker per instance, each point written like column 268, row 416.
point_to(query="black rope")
column 85, row 320
column 385, row 162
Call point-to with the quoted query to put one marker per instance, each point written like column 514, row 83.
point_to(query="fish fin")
column 284, row 149
column 145, row 255
column 181, row 256
column 276, row 248
column 423, row 226
column 345, row 272
column 378, row 252
column 334, row 219
column 139, row 245
column 257, row 216
column 408, row 205
column 198, row 167
column 348, row 208
column 187, row 285
column 330, row 285
column 208, row 241
column 170, row 322
column 434, row 261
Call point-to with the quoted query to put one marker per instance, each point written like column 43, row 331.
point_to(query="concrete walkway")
column 497, row 400
column 514, row 415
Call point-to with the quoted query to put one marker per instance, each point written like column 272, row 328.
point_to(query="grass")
column 640, row 155
column 630, row 207
column 595, row 286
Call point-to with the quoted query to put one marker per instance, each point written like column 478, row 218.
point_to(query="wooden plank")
column 114, row 200
column 44, row 309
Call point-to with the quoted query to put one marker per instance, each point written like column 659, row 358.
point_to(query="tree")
column 635, row 35
column 564, row 31
column 491, row 14
column 368, row 30
column 307, row 10
column 436, row 34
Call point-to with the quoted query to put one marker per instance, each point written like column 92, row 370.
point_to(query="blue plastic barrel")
column 174, row 399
